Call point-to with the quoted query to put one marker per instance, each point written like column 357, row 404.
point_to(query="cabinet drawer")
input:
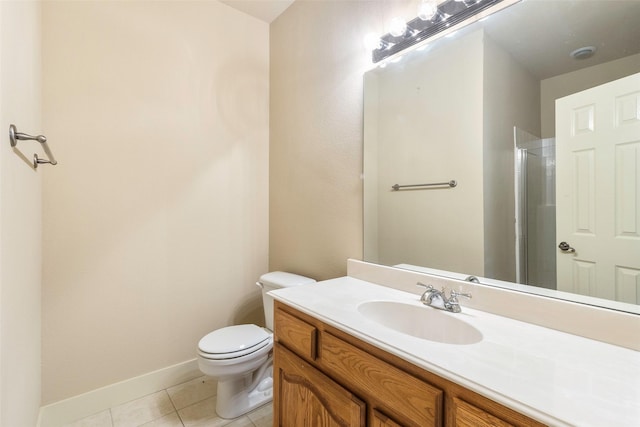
column 467, row 415
column 296, row 334
column 410, row 401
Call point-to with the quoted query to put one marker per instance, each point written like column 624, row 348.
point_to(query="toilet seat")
column 233, row 342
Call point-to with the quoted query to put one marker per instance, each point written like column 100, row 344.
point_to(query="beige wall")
column 155, row 219
column 317, row 63
column 20, row 215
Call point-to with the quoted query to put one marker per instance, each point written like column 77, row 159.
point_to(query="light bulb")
column 427, row 9
column 397, row 27
column 372, row 41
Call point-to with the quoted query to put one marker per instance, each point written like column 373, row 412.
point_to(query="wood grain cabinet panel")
column 406, row 398
column 467, row 415
column 296, row 334
column 380, row 420
column 305, row 397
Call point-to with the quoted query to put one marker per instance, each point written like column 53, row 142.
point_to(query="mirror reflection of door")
column 598, row 191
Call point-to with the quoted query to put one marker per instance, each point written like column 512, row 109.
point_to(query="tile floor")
column 185, row 405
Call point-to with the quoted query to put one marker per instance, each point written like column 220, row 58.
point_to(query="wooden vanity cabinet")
column 326, row 377
column 467, row 415
column 307, row 397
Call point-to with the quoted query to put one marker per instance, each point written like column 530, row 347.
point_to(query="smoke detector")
column 583, row 52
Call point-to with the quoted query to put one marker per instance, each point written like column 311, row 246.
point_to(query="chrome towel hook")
column 38, row 161
column 15, row 136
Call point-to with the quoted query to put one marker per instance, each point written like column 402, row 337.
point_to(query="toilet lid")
column 234, row 341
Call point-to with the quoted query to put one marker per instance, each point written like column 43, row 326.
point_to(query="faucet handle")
column 427, row 290
column 455, row 294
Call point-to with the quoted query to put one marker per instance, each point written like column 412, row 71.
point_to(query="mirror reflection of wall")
column 449, row 112
column 437, row 117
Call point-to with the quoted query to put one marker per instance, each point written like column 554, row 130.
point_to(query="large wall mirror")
column 534, row 112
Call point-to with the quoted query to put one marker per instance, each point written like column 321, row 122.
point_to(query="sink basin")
column 421, row 322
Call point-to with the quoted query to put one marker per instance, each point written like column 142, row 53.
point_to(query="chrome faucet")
column 438, row 299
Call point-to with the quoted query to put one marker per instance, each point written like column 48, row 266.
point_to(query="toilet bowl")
column 240, row 357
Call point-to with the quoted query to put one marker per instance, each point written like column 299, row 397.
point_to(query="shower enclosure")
column 535, row 184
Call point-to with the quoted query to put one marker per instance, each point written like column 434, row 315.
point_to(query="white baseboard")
column 74, row 408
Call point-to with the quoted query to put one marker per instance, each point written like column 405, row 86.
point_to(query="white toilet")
column 240, row 357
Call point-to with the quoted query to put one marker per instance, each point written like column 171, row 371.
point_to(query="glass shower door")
column 535, row 170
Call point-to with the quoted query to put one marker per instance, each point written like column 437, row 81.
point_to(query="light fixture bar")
column 450, row 13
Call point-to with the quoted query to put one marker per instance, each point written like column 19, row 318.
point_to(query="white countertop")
column 556, row 378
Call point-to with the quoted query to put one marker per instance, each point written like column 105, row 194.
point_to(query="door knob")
column 565, row 247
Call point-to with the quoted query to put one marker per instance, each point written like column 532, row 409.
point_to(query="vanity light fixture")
column 398, row 27
column 427, row 9
column 433, row 18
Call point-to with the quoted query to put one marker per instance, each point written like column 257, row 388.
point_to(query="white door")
column 598, row 191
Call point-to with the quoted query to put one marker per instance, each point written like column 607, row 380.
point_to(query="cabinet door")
column 380, row 420
column 305, row 397
column 467, row 415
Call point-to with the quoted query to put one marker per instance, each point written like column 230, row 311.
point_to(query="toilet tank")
column 277, row 280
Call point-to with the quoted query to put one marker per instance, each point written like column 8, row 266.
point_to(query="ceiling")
column 264, row 10
column 540, row 34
